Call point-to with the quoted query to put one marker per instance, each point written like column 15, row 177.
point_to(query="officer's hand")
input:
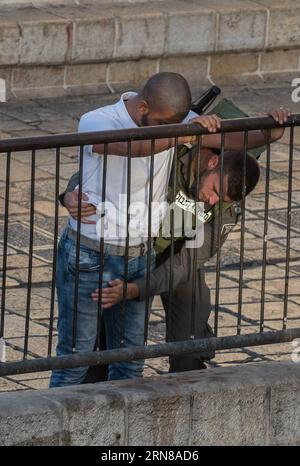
column 111, row 295
column 71, row 203
column 211, row 122
column 114, row 293
column 280, row 115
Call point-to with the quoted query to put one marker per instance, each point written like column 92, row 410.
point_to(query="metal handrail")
column 98, row 358
column 142, row 133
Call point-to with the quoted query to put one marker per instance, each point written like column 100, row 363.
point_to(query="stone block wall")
column 250, row 404
column 63, row 47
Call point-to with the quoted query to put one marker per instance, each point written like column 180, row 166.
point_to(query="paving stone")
column 37, row 346
column 14, row 326
column 48, row 208
column 29, row 133
column 156, row 304
column 286, row 137
column 273, row 311
column 39, row 275
column 66, row 125
column 45, row 157
column 13, row 209
column 154, row 318
column 10, row 282
column 20, row 172
column 257, row 227
column 13, row 125
column 230, row 296
column 37, row 384
column 294, row 267
column 16, row 300
column 9, row 386
column 9, row 250
column 66, row 170
column 294, row 244
column 257, row 202
column 17, row 261
column 224, row 282
column 272, row 272
column 19, row 234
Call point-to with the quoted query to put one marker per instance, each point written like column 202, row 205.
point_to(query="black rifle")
column 205, row 100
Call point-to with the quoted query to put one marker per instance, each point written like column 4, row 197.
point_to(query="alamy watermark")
column 296, row 351
column 177, row 219
column 296, row 91
column 2, row 90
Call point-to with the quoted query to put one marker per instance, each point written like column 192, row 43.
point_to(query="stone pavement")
column 41, row 117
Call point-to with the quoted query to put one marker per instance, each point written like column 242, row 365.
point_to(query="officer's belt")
column 114, row 250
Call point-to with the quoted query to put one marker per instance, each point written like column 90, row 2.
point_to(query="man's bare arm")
column 235, row 141
column 258, row 138
column 143, row 148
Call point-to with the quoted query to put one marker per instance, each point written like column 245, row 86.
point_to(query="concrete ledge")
column 251, row 404
column 125, row 42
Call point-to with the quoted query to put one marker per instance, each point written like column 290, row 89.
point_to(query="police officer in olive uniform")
column 188, row 311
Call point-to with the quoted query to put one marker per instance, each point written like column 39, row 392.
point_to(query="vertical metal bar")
column 50, row 338
column 77, row 251
column 5, row 238
column 242, row 243
column 27, row 319
column 219, row 234
column 149, row 243
column 288, row 233
column 195, row 251
column 101, row 262
column 126, row 257
column 171, row 280
column 265, row 237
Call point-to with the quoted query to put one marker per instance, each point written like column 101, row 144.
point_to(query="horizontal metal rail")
column 145, row 133
column 148, row 352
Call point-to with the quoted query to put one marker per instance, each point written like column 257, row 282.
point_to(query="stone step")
column 51, row 49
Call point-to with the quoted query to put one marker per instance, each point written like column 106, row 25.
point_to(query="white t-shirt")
column 114, row 224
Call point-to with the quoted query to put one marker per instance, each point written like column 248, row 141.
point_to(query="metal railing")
column 34, row 144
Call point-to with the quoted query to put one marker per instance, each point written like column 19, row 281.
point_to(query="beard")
column 144, row 120
column 202, row 176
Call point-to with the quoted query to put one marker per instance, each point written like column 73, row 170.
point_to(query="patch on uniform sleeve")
column 227, row 227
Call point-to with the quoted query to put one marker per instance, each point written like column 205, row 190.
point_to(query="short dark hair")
column 168, row 90
column 233, row 167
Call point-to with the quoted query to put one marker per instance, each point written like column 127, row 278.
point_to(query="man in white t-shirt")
column 165, row 99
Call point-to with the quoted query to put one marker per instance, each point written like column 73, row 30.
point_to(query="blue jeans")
column 87, row 310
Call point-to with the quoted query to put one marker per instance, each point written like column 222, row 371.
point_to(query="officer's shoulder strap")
column 180, row 152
